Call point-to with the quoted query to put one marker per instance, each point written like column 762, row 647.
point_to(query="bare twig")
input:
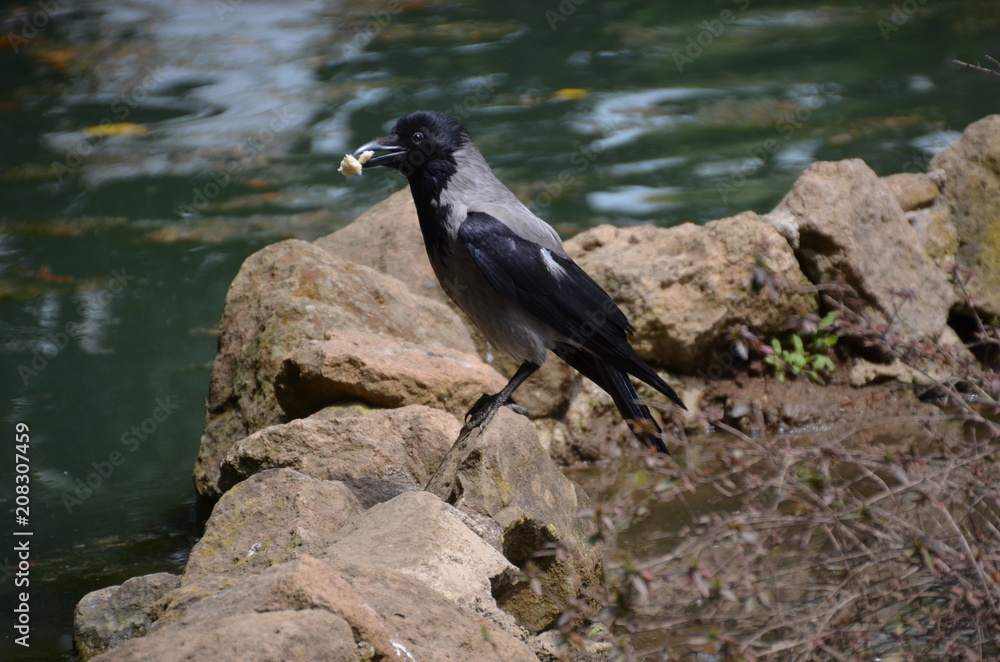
column 978, row 67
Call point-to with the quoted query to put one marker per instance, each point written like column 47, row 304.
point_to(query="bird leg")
column 487, row 405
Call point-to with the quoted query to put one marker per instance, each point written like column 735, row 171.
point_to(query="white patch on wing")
column 551, row 264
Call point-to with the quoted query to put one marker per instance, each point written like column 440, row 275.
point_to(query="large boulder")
column 844, row 221
column 418, row 534
column 269, row 518
column 381, row 371
column 284, row 296
column 684, row 287
column 305, row 609
column 971, row 188
column 377, row 455
column 504, row 473
column 387, row 238
column 106, row 617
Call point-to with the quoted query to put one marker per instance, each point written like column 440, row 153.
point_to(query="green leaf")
column 820, row 362
column 797, row 344
column 776, row 344
column 814, row 376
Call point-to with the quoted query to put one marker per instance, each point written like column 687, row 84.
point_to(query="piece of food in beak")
column 352, row 166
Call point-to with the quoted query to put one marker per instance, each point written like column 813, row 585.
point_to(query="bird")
column 508, row 271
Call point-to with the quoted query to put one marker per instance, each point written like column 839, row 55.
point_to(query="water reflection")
column 94, row 308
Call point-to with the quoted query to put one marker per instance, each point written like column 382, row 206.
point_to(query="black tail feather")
column 636, row 366
column 622, row 392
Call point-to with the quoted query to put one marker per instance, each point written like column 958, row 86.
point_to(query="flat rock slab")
column 420, row 535
column 382, row 371
column 377, row 455
column 270, row 518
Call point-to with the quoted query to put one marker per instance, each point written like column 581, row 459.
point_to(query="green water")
column 109, row 297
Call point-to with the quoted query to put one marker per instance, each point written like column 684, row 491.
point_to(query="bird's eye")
column 417, row 138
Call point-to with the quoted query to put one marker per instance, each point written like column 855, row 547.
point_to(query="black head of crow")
column 507, row 269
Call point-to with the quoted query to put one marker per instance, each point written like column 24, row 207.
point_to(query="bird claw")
column 481, row 413
column 518, row 409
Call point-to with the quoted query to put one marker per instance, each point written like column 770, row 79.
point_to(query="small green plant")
column 797, row 360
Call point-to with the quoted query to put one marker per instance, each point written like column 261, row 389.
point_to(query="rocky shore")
column 353, row 520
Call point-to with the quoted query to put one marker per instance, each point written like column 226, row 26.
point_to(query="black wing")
column 558, row 292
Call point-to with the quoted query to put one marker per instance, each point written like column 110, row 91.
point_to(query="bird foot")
column 486, row 406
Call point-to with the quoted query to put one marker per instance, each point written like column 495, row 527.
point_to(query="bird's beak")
column 388, row 151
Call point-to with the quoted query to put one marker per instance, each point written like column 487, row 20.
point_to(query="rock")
column 941, row 361
column 419, row 535
column 305, row 634
column 912, row 190
column 919, row 196
column 849, row 223
column 307, row 609
column 377, row 455
column 381, row 371
column 550, row 646
column 971, row 189
column 111, row 615
column 936, row 232
column 864, row 372
column 592, row 426
column 505, row 474
column 684, row 287
column 387, row 238
column 284, row 296
column 269, row 518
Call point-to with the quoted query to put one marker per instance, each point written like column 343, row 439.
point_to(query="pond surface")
column 113, row 273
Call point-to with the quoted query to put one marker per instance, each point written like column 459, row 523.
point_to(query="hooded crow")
column 508, row 270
